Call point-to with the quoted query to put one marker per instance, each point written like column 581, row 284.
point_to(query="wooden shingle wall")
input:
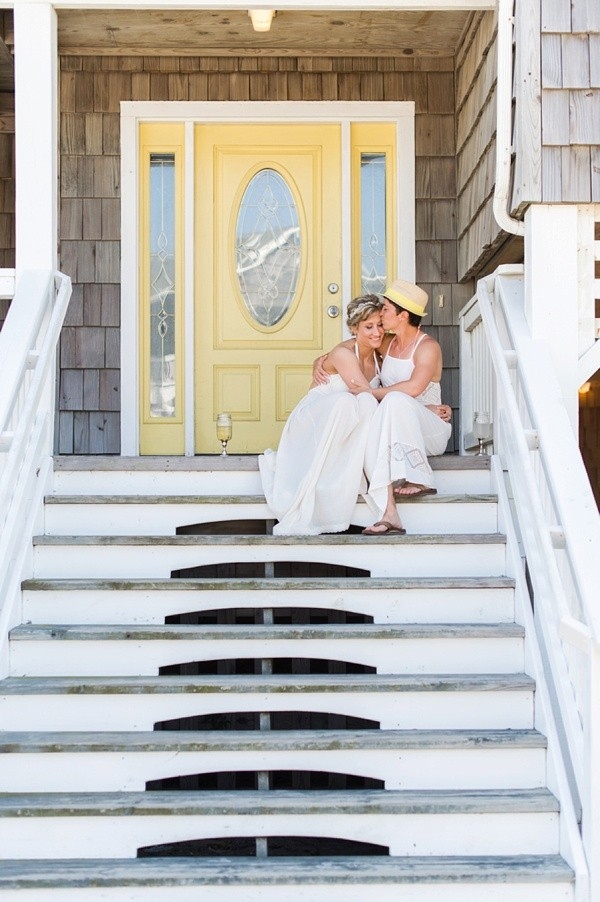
column 7, row 165
column 478, row 232
column 570, row 81
column 7, row 199
column 91, row 89
column 7, row 203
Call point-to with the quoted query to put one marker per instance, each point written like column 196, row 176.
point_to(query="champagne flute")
column 224, row 431
column 482, row 429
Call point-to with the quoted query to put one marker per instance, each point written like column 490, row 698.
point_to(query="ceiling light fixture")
column 261, row 18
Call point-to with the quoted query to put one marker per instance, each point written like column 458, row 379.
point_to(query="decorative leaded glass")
column 373, row 237
column 162, row 285
column 268, row 247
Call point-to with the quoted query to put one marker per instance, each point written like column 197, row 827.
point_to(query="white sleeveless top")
column 393, row 370
column 336, row 383
column 376, row 380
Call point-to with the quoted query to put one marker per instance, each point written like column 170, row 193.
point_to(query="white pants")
column 402, row 434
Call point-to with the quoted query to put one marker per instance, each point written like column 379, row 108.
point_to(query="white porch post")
column 36, row 140
column 551, row 292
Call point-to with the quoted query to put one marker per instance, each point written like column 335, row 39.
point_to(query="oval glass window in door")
column 268, row 247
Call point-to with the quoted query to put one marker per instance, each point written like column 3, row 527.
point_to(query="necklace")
column 403, row 348
column 363, row 362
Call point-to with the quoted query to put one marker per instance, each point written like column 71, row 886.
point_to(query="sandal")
column 390, row 529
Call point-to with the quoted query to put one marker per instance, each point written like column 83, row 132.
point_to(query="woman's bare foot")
column 403, row 489
column 389, row 518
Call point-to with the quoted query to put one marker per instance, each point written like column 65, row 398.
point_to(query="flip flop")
column 422, row 490
column 390, row 529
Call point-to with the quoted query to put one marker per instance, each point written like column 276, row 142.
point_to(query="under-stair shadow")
column 275, row 779
column 276, row 846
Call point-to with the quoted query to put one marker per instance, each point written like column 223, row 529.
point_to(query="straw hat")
column 408, row 296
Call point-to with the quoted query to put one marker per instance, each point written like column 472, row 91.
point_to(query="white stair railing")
column 556, row 519
column 28, row 342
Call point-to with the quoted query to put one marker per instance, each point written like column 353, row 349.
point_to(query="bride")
column 311, row 483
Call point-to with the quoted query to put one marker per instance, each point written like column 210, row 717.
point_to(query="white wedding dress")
column 312, row 482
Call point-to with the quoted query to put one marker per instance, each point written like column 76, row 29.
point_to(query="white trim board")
column 133, row 112
column 283, row 5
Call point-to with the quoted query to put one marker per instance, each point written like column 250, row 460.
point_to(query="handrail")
column 531, row 516
column 572, row 497
column 558, row 526
column 28, row 343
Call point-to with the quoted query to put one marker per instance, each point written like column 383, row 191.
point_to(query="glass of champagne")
column 482, row 429
column 224, row 430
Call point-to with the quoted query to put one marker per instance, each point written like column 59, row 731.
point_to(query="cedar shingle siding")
column 570, row 100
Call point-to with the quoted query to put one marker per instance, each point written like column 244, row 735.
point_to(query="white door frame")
column 133, row 112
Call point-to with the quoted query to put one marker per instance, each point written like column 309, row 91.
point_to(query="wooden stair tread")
column 217, row 462
column 361, row 632
column 272, row 740
column 453, row 498
column 278, row 584
column 368, row 683
column 272, row 541
column 247, row 803
column 69, row 873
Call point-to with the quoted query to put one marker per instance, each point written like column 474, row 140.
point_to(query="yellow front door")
column 268, row 269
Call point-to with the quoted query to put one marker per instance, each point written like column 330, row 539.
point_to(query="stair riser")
column 164, row 519
column 144, row 658
column 159, row 560
column 473, row 768
column 167, row 482
column 410, row 710
column 109, row 836
column 229, row 482
column 130, row 606
column 350, row 892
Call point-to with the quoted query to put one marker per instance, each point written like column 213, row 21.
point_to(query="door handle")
column 333, row 310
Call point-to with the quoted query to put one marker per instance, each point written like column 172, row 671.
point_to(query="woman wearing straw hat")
column 411, row 423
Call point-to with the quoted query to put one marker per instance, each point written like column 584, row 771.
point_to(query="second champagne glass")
column 224, row 431
column 482, row 430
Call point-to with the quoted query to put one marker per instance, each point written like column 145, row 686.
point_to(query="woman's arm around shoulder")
column 346, row 365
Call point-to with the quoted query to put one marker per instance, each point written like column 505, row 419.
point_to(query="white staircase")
column 270, row 726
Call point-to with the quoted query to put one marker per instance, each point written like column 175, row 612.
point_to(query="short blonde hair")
column 362, row 308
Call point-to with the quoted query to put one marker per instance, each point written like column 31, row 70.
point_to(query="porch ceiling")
column 179, row 32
